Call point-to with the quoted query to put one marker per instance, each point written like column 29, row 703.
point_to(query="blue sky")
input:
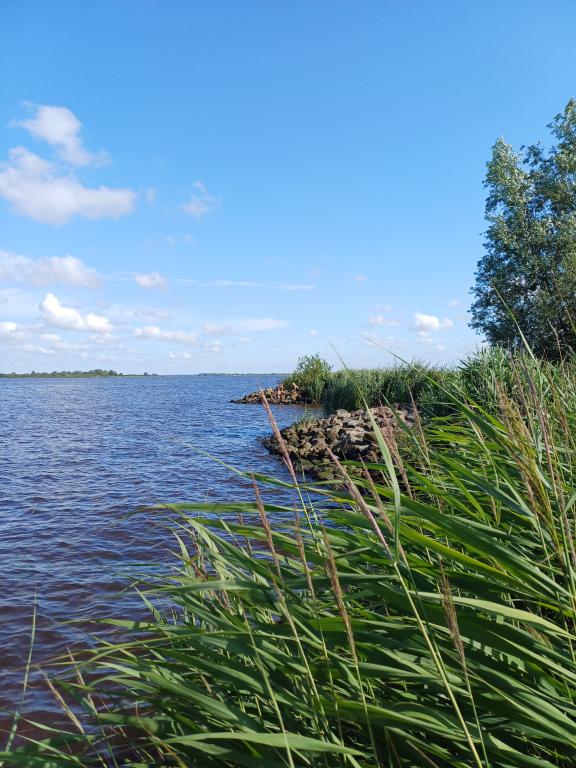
column 193, row 186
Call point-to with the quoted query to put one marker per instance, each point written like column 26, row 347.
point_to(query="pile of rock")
column 349, row 435
column 279, row 395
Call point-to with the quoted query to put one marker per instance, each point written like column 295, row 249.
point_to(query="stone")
column 277, row 396
column 349, row 435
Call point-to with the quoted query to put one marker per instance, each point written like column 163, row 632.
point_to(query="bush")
column 311, row 375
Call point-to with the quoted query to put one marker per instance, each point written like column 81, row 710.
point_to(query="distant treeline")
column 66, row 374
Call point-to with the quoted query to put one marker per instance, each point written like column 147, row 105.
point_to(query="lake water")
column 77, row 456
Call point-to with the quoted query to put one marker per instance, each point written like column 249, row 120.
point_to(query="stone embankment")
column 349, row 435
column 279, row 395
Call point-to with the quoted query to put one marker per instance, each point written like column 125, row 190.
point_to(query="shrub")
column 311, row 375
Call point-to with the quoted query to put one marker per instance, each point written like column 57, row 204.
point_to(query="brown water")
column 77, row 457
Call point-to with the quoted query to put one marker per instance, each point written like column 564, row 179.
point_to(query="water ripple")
column 79, row 455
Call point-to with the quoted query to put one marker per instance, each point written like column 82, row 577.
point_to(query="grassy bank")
column 422, row 615
column 480, row 378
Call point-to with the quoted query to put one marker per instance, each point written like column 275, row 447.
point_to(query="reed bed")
column 418, row 613
column 397, row 384
column 479, row 378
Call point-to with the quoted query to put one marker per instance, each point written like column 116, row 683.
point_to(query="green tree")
column 527, row 276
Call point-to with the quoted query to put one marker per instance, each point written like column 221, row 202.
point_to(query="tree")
column 527, row 277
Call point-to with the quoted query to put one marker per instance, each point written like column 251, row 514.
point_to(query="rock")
column 349, row 435
column 277, row 396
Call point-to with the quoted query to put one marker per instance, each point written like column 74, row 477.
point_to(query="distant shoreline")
column 90, row 375
column 71, row 375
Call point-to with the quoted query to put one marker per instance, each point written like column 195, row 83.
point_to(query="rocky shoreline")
column 349, row 435
column 279, row 395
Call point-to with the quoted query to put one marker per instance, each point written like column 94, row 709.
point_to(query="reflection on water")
column 79, row 455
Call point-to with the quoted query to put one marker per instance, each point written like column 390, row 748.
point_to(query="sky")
column 225, row 186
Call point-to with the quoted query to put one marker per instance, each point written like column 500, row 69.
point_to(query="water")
column 78, row 455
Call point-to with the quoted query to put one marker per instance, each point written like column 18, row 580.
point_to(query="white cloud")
column 157, row 334
column 454, row 303
column 245, row 283
column 200, row 203
column 248, row 325
column 381, row 320
column 104, row 338
column 313, row 332
column 427, row 323
column 360, row 278
column 60, row 127
column 51, row 269
column 216, row 329
column 151, row 280
column 38, row 189
column 64, row 269
column 174, row 240
column 36, row 349
column 387, row 342
column 8, row 328
column 298, row 287
column 123, row 311
column 235, row 284
column 55, row 313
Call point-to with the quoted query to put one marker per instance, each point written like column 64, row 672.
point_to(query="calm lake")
column 78, row 456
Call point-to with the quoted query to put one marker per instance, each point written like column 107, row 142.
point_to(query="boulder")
column 349, row 435
column 279, row 395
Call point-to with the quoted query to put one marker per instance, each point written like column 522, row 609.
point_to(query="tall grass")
column 379, row 386
column 404, row 383
column 481, row 378
column 420, row 615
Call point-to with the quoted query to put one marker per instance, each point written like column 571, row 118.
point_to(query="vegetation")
column 311, row 376
column 419, row 615
column 380, row 386
column 526, row 281
column 433, row 389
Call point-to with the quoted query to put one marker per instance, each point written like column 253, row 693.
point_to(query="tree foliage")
column 526, row 280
